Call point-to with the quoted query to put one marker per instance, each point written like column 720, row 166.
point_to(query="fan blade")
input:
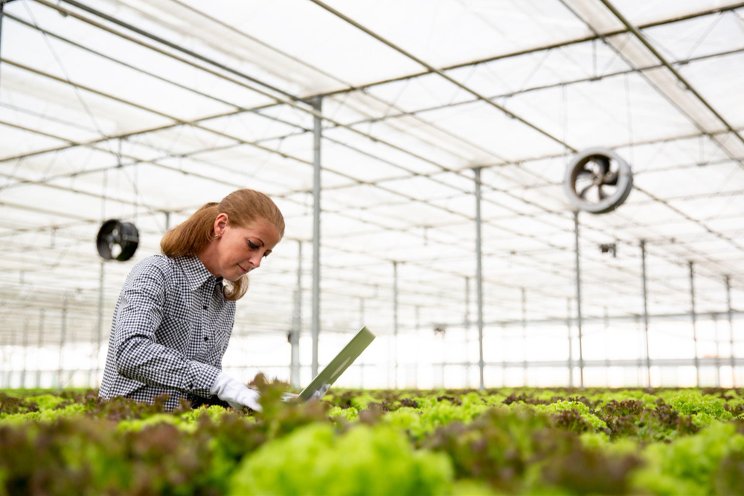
column 601, row 194
column 603, row 162
column 585, row 172
column 611, row 178
column 585, row 191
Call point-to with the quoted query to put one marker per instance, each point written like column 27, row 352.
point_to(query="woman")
column 176, row 311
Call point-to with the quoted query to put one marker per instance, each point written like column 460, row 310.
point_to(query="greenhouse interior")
column 513, row 197
column 420, row 154
column 506, row 238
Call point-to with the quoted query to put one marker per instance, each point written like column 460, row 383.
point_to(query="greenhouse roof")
column 145, row 110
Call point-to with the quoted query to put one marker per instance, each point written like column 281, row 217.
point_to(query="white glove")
column 320, row 392
column 287, row 397
column 235, row 393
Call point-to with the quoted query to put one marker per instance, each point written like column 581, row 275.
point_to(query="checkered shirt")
column 170, row 330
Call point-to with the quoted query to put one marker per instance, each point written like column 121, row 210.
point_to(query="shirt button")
column 205, row 307
column 191, row 386
column 206, row 338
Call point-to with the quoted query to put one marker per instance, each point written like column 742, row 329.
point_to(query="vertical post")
column 63, row 338
column 693, row 314
column 40, row 345
column 607, row 332
column 716, row 334
column 524, row 337
column 727, row 281
column 2, row 7
column 294, row 341
column 466, row 319
column 578, row 298
column 317, row 123
column 99, row 326
column 570, row 344
column 5, row 367
column 167, row 220
column 395, row 324
column 645, row 312
column 25, row 353
column 479, row 273
column 417, row 317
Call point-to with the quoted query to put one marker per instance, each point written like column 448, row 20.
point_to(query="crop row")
column 521, row 441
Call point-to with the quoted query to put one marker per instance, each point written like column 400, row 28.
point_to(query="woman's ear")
column 220, row 224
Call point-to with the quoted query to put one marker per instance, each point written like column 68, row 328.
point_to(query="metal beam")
column 395, row 324
column 537, row 49
column 294, row 365
column 693, row 316
column 730, row 318
column 693, row 219
column 601, row 363
column 645, row 313
column 578, row 298
column 434, row 70
column 570, row 343
column 479, row 274
column 525, row 377
column 317, row 103
column 686, row 84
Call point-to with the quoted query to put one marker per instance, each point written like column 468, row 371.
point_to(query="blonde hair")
column 242, row 207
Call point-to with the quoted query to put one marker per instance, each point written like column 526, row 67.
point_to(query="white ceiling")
column 130, row 109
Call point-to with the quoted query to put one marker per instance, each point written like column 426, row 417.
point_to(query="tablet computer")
column 341, row 362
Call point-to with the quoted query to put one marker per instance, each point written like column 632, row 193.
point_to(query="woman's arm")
column 138, row 355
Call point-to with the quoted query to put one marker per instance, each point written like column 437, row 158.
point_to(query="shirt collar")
column 196, row 273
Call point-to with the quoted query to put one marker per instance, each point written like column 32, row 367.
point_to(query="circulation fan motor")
column 117, row 240
column 597, row 180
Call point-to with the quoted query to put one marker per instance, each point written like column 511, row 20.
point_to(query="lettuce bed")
column 505, row 441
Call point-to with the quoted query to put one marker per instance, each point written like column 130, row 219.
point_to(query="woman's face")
column 239, row 250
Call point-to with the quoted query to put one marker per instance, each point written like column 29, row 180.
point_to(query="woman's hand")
column 236, row 394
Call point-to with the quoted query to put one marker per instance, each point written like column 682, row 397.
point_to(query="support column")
column 417, row 353
column 570, row 343
column 716, row 335
column 727, row 282
column 294, row 341
column 606, row 322
column 317, row 129
column 93, row 381
column 466, row 319
column 395, row 324
column 63, row 338
column 6, row 371
column 645, row 312
column 524, row 337
column 479, row 273
column 25, row 353
column 40, row 345
column 693, row 314
column 578, row 298
column 2, row 7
